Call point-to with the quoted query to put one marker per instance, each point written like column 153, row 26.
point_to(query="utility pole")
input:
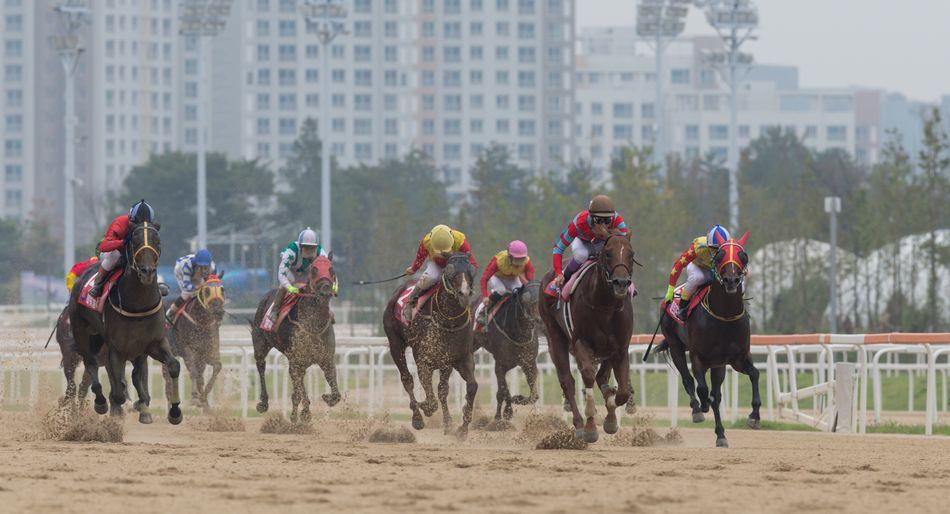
column 833, row 207
column 72, row 14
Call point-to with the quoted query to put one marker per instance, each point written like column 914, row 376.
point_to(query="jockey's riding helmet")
column 517, row 249
column 203, row 257
column 717, row 236
column 441, row 239
column 307, row 237
column 141, row 212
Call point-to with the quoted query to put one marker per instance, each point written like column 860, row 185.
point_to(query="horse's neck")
column 515, row 320
column 316, row 309
column 724, row 304
column 136, row 295
column 449, row 304
column 600, row 294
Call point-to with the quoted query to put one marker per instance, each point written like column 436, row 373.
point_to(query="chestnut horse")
column 595, row 327
column 715, row 335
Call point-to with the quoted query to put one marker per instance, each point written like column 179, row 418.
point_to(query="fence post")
column 672, row 397
column 843, row 396
column 244, row 382
column 931, row 390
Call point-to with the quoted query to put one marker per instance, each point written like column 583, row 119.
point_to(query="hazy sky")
column 898, row 45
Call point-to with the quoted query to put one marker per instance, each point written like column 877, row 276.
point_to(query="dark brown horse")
column 512, row 338
column 71, row 360
column 595, row 327
column 440, row 336
column 715, row 335
column 131, row 327
column 195, row 338
column 307, row 340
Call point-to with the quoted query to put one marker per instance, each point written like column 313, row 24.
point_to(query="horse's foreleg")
column 328, row 365
column 117, row 386
column 679, row 361
column 398, row 353
column 502, row 397
column 716, row 376
column 425, row 372
column 702, row 390
column 585, row 364
column 562, row 364
column 163, row 353
column 466, row 369
column 444, row 375
column 297, row 373
column 260, row 357
column 746, row 366
column 91, row 365
column 196, row 369
column 140, row 382
column 83, row 389
column 215, row 369
column 530, row 370
column 70, row 363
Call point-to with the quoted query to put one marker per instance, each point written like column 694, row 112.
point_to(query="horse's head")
column 730, row 263
column 322, row 277
column 211, row 297
column 458, row 275
column 616, row 260
column 143, row 249
column 529, row 296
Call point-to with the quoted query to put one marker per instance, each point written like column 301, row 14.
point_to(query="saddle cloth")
column 491, row 314
column 568, row 287
column 672, row 308
column 290, row 301
column 404, row 297
column 97, row 304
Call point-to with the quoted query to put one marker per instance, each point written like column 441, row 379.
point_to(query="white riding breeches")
column 430, row 276
column 501, row 285
column 108, row 260
column 696, row 277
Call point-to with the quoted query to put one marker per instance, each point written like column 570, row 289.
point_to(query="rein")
column 521, row 310
column 730, row 319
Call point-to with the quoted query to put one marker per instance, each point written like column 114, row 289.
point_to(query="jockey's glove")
column 292, row 289
column 669, row 293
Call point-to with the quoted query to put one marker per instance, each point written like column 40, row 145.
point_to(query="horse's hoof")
column 117, row 412
column 100, row 408
column 698, row 417
column 722, row 443
column 462, row 433
column 428, row 408
column 174, row 414
column 520, row 399
column 145, row 418
column 567, row 406
column 704, row 408
column 331, row 399
column 591, row 436
column 508, row 413
column 305, row 417
column 293, row 417
column 579, row 433
column 631, row 407
column 610, row 424
column 261, row 407
column 417, row 422
column 754, row 424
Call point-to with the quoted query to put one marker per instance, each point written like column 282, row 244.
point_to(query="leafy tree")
column 10, row 265
column 934, row 160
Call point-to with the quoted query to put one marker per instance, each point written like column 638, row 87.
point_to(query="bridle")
column 209, row 292
column 145, row 227
column 731, row 251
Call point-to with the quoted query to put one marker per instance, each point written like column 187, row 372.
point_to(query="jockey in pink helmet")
column 507, row 272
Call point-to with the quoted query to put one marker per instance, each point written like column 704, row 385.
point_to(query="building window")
column 475, row 29
column 338, row 125
column 710, row 102
column 836, row 103
column 596, row 109
column 526, row 55
column 744, row 131
column 452, row 54
column 452, row 30
column 428, row 127
column 363, row 151
column 692, row 132
column 623, row 110
column 501, row 29
column 718, row 132
column 362, row 127
column 837, row 133
column 526, row 79
column 453, row 103
column 263, row 126
column 623, row 131
column 288, row 102
column 363, row 103
column 501, row 101
column 452, row 127
column 526, row 103
column 526, row 127
column 526, row 152
column 363, row 78
column 646, row 111
column 501, row 126
column 475, row 127
column 338, row 101
column 287, row 28
column 679, row 76
column 362, row 53
column 526, row 30
column 391, row 127
column 362, row 29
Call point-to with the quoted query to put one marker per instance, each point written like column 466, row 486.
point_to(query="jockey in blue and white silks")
column 191, row 271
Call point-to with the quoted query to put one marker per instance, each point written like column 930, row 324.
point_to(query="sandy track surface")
column 185, row 468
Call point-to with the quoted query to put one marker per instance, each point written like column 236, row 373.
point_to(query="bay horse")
column 511, row 337
column 131, row 327
column 307, row 340
column 194, row 336
column 601, row 314
column 440, row 336
column 715, row 335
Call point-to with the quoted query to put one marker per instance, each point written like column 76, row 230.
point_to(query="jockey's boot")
column 96, row 290
column 571, row 268
column 411, row 303
column 278, row 301
column 173, row 308
column 684, row 307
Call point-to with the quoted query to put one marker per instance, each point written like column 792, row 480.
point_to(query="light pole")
column 662, row 21
column 327, row 17
column 833, row 207
column 734, row 21
column 71, row 14
column 200, row 18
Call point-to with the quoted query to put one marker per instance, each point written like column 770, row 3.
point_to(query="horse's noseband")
column 146, row 245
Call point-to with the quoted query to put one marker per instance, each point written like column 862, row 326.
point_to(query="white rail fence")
column 370, row 382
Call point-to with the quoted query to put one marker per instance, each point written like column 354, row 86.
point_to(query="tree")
column 10, row 263
column 237, row 192
column 934, row 160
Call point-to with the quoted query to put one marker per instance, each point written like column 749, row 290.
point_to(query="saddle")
column 404, row 297
column 568, row 288
column 290, row 301
column 672, row 307
column 491, row 313
column 98, row 304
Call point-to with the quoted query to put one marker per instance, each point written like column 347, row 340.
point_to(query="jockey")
column 295, row 261
column 586, row 235
column 110, row 248
column 697, row 259
column 77, row 270
column 434, row 250
column 506, row 273
column 191, row 272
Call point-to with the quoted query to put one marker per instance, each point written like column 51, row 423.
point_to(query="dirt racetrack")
column 186, row 468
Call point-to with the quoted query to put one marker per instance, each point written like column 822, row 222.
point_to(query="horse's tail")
column 662, row 347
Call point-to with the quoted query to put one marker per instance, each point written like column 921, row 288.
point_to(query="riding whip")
column 50, row 338
column 370, row 282
column 650, row 347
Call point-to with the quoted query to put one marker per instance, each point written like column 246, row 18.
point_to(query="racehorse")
column 307, row 340
column 440, row 336
column 131, row 327
column 512, row 339
column 716, row 335
column 194, row 337
column 594, row 326
column 71, row 360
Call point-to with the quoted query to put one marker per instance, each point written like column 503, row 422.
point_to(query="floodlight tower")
column 734, row 21
column 661, row 21
column 72, row 14
column 200, row 19
column 328, row 17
